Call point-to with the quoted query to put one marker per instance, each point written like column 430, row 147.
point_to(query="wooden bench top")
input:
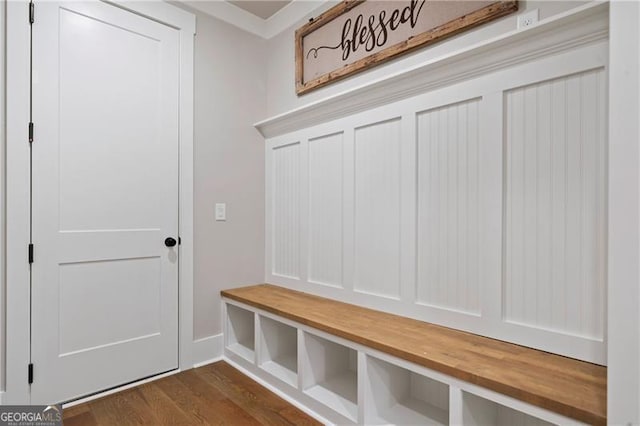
column 566, row 386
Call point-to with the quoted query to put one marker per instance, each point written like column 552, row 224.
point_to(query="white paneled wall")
column 285, row 225
column 448, row 207
column 479, row 206
column 325, row 209
column 555, row 203
column 377, row 209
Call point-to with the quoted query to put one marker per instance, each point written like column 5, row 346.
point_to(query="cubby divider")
column 395, row 395
column 241, row 332
column 330, row 375
column 279, row 350
column 345, row 382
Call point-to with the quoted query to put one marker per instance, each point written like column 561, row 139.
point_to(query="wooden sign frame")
column 493, row 11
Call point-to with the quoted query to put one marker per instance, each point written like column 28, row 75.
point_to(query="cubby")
column 350, row 365
column 241, row 332
column 279, row 350
column 395, row 395
column 478, row 411
column 331, row 375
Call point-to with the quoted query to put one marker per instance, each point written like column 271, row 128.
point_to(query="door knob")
column 170, row 242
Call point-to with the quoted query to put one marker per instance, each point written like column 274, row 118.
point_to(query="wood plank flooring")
column 216, row 394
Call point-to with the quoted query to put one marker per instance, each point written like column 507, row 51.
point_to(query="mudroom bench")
column 349, row 364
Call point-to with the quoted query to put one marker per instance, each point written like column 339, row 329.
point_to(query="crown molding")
column 231, row 14
column 578, row 27
column 291, row 14
column 265, row 28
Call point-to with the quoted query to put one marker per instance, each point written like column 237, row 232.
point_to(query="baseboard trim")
column 119, row 388
column 207, row 350
column 277, row 391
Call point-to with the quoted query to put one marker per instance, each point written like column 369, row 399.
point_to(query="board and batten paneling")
column 448, row 207
column 325, row 209
column 555, row 204
column 377, row 208
column 285, row 202
column 481, row 205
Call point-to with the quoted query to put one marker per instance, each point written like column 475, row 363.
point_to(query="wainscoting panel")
column 448, row 207
column 325, row 209
column 286, row 210
column 478, row 205
column 377, row 209
column 555, row 199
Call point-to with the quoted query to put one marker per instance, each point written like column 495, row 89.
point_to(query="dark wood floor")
column 216, row 394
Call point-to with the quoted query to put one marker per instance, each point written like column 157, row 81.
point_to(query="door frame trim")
column 18, row 310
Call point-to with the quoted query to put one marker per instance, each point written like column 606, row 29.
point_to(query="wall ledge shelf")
column 578, row 27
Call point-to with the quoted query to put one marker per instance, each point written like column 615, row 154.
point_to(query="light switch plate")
column 221, row 211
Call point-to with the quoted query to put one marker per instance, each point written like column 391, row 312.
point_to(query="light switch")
column 221, row 211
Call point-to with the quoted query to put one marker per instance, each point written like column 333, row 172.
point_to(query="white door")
column 105, row 198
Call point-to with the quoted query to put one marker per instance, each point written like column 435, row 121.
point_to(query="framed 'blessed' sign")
column 358, row 34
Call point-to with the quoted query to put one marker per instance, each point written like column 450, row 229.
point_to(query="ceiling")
column 264, row 18
column 261, row 8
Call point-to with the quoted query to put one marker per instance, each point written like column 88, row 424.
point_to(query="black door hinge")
column 30, row 373
column 32, row 13
column 30, row 132
column 179, row 241
column 30, row 253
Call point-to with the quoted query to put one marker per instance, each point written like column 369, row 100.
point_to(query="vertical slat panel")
column 599, row 322
column 574, row 204
column 555, row 205
column 377, row 209
column 325, row 210
column 557, row 246
column 543, row 193
column 348, row 209
column 472, row 192
column 515, row 208
column 286, row 210
column 448, row 274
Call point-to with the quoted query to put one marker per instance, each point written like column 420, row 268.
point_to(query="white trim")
column 624, row 215
column 17, row 172
column 3, row 22
column 578, row 27
column 264, row 28
column 120, row 388
column 207, row 350
column 230, row 14
column 172, row 16
column 17, row 199
column 185, row 296
column 289, row 15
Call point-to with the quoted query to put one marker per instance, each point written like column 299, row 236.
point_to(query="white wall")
column 281, row 95
column 230, row 94
column 623, row 375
